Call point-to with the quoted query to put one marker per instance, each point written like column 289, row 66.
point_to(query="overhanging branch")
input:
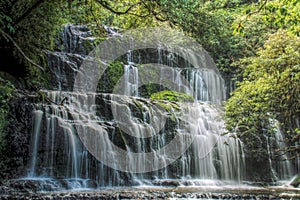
column 5, row 35
column 27, row 12
column 105, row 5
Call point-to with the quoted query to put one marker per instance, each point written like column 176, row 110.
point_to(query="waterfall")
column 210, row 157
column 121, row 139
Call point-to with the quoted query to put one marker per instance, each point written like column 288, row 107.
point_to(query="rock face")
column 74, row 44
column 18, row 133
column 76, row 39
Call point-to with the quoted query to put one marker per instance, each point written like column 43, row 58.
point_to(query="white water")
column 34, row 155
column 283, row 167
column 211, row 156
column 131, row 80
column 203, row 84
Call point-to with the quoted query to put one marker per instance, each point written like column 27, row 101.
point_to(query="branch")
column 108, row 7
column 95, row 18
column 5, row 35
column 151, row 11
column 251, row 13
column 34, row 6
column 288, row 150
column 127, row 11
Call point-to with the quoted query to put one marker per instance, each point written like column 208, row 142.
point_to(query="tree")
column 28, row 29
column 270, row 90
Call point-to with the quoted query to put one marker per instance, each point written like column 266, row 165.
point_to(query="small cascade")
column 215, row 156
column 198, row 83
column 204, row 85
column 34, row 156
column 283, row 165
column 270, row 160
column 131, row 80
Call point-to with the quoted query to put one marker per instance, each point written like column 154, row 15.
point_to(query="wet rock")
column 17, row 137
column 167, row 183
column 296, row 181
column 76, row 39
column 63, row 69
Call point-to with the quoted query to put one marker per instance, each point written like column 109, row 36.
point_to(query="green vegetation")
column 111, row 77
column 270, row 89
column 168, row 95
column 28, row 29
column 6, row 94
column 168, row 99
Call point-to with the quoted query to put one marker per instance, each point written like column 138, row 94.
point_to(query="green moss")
column 172, row 96
column 111, row 76
column 168, row 100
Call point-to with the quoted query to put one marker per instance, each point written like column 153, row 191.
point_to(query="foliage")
column 247, row 112
column 5, row 22
column 270, row 88
column 276, row 14
column 6, row 94
column 284, row 14
column 255, row 22
column 209, row 23
column 33, row 26
column 128, row 14
column 279, row 62
column 172, row 96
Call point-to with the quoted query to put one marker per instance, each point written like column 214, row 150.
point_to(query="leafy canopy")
column 270, row 89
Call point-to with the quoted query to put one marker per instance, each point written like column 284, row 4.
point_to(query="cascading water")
column 65, row 121
column 37, row 126
column 211, row 156
column 283, row 168
column 131, row 80
column 62, row 129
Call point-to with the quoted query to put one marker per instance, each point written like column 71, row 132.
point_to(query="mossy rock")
column 168, row 95
column 296, row 181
